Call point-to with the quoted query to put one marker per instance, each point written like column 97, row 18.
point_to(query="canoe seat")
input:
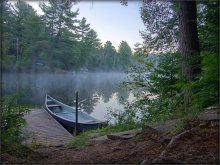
column 53, row 105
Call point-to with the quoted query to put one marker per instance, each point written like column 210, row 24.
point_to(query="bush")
column 12, row 122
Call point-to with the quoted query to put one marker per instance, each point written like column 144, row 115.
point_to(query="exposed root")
column 169, row 146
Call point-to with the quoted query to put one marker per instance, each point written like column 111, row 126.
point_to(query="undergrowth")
column 12, row 123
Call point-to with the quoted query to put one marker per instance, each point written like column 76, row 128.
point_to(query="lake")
column 98, row 91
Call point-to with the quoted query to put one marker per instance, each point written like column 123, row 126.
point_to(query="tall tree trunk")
column 189, row 46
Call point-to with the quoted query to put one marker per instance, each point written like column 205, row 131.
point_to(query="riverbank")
column 196, row 142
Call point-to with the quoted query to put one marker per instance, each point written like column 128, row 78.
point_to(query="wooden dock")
column 43, row 129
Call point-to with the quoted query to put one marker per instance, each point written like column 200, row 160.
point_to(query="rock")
column 122, row 135
column 209, row 116
column 213, row 108
column 100, row 138
column 161, row 127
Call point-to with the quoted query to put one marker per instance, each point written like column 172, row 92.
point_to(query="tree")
column 33, row 31
column 162, row 25
column 208, row 25
column 89, row 47
column 109, row 55
column 162, row 28
column 125, row 54
column 208, row 28
column 25, row 25
column 93, row 45
column 92, row 40
column 83, row 29
column 61, row 23
column 8, row 56
column 189, row 46
column 59, row 17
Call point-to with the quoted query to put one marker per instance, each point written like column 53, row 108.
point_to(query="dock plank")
column 42, row 129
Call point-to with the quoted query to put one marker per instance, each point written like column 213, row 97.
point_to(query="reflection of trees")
column 86, row 95
column 122, row 95
column 63, row 86
column 89, row 104
column 109, row 87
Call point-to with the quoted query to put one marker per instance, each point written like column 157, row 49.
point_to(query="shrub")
column 12, row 122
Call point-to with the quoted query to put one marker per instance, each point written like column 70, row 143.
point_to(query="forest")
column 55, row 41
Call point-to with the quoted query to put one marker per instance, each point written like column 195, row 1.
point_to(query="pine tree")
column 125, row 54
column 83, row 29
column 90, row 46
column 59, row 17
column 109, row 55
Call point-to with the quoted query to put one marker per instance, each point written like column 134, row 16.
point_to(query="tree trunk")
column 189, row 46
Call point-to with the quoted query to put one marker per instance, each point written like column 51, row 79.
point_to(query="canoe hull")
column 80, row 126
column 68, row 123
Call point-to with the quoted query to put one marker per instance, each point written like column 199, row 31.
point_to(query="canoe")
column 66, row 115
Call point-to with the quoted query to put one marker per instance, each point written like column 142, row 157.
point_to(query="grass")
column 83, row 138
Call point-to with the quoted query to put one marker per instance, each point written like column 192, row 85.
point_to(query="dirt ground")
column 198, row 146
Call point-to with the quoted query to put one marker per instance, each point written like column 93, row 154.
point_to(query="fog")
column 98, row 90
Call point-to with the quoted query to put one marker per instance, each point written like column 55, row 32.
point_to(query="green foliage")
column 208, row 18
column 59, row 17
column 9, row 62
column 109, row 55
column 208, row 83
column 83, row 29
column 155, row 88
column 89, row 47
column 79, row 141
column 157, row 82
column 57, row 40
column 12, row 123
column 122, row 117
column 125, row 54
column 161, row 21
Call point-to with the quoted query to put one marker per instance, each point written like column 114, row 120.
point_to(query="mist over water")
column 98, row 90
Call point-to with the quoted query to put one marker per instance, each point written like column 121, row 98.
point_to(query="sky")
column 111, row 20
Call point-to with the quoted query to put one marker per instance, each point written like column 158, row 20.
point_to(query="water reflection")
column 98, row 90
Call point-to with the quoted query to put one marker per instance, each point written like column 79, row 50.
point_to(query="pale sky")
column 111, row 20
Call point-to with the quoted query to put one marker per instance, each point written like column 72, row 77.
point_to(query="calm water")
column 100, row 91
